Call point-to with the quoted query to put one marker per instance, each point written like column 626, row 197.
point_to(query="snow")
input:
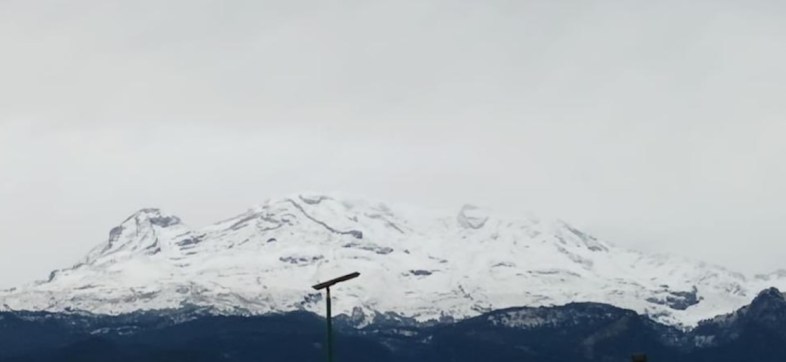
column 416, row 263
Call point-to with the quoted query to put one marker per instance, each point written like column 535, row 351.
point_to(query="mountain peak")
column 138, row 232
column 472, row 217
column 769, row 295
column 767, row 309
column 154, row 216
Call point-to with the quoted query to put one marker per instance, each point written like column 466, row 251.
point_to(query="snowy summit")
column 423, row 265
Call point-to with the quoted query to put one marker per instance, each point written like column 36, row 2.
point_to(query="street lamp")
column 326, row 285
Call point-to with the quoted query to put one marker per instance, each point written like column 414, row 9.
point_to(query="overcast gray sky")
column 656, row 125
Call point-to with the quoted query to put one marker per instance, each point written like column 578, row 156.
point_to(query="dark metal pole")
column 326, row 285
column 329, row 328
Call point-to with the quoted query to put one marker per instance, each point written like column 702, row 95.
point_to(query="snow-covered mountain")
column 423, row 265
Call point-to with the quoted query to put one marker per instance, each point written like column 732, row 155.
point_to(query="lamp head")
column 332, row 282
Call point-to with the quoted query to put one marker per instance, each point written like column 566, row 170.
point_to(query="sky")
column 657, row 126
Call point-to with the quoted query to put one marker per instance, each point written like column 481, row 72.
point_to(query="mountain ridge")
column 573, row 332
column 418, row 264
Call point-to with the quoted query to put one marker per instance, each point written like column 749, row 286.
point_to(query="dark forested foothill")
column 574, row 332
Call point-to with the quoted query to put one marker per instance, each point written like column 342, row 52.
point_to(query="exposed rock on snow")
column 415, row 266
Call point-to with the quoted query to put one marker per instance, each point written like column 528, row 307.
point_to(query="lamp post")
column 326, row 285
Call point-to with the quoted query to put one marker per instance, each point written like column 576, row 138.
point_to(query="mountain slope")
column 573, row 332
column 426, row 266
